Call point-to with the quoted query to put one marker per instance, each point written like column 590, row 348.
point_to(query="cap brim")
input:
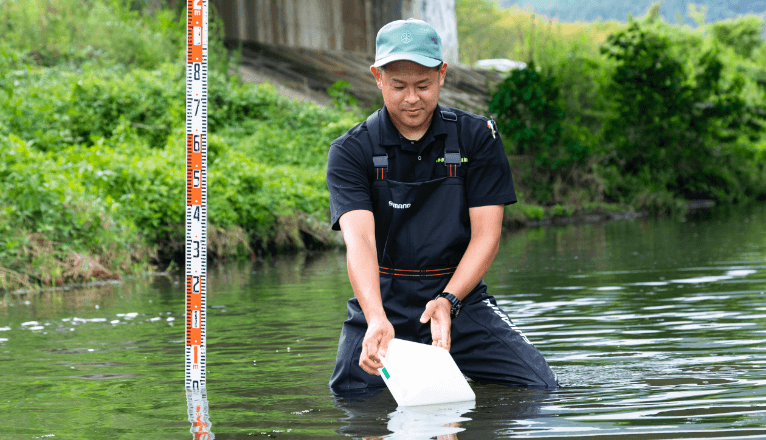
column 420, row 59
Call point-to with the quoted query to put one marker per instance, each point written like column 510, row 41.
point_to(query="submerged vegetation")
column 92, row 132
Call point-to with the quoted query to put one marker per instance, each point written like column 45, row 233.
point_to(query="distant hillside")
column 589, row 10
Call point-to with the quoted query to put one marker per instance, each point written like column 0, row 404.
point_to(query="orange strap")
column 417, row 272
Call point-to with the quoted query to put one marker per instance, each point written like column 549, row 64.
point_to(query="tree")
column 674, row 125
column 743, row 34
column 528, row 113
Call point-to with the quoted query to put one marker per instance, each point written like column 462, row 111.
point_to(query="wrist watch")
column 456, row 304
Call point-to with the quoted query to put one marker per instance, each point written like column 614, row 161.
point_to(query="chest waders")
column 422, row 230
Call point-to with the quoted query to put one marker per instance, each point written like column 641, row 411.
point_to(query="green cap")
column 411, row 40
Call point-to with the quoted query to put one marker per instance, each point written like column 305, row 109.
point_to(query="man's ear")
column 442, row 74
column 378, row 76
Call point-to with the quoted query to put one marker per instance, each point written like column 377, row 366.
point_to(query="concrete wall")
column 315, row 24
column 347, row 25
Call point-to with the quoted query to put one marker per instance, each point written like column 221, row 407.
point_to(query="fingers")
column 440, row 326
column 428, row 312
column 446, row 337
column 375, row 344
column 383, row 346
column 369, row 360
column 440, row 333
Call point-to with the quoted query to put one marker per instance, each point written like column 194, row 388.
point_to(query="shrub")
column 53, row 222
column 678, row 115
column 529, row 115
column 76, row 31
column 743, row 34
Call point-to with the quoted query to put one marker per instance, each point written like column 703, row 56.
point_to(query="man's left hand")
column 438, row 312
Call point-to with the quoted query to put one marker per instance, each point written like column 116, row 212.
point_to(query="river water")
column 654, row 326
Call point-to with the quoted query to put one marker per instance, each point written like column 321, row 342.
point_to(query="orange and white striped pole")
column 196, row 192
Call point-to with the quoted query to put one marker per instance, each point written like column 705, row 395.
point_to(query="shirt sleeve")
column 488, row 180
column 347, row 180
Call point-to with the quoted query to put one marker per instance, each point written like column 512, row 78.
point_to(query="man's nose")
column 411, row 97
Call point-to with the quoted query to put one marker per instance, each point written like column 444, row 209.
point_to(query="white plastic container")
column 420, row 374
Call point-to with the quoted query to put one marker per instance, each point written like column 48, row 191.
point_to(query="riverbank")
column 315, row 237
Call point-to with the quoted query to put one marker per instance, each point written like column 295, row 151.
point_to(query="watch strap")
column 456, row 304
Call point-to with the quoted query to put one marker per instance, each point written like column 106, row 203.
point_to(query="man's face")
column 411, row 93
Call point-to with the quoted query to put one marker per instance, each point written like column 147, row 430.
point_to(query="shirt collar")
column 391, row 136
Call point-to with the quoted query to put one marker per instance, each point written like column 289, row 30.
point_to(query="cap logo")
column 406, row 37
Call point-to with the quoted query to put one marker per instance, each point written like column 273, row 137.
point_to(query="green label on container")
column 386, row 374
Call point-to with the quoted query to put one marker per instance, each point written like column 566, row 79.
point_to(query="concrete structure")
column 335, row 25
column 500, row 64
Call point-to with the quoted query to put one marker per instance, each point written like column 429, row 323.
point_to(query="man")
column 418, row 192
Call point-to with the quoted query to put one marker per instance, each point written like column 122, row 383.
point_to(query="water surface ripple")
column 654, row 326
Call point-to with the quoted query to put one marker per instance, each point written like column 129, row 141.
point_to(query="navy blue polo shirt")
column 484, row 167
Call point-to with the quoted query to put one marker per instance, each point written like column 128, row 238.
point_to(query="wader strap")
column 451, row 146
column 417, row 273
column 379, row 155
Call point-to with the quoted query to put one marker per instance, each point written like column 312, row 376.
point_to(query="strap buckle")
column 381, row 166
column 451, row 158
column 451, row 149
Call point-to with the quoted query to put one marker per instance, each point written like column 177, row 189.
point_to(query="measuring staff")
column 196, row 192
column 418, row 191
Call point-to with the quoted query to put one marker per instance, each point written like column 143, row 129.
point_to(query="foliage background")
column 645, row 114
column 92, row 144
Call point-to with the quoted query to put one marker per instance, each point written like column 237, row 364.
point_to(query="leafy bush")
column 55, row 31
column 743, row 34
column 64, row 106
column 664, row 113
column 530, row 117
column 528, row 113
column 678, row 116
column 118, row 196
column 53, row 226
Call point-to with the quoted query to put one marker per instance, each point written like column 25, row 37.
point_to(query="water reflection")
column 441, row 420
column 498, row 410
column 364, row 411
column 199, row 416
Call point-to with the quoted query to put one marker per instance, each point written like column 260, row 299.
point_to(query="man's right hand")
column 358, row 228
column 375, row 344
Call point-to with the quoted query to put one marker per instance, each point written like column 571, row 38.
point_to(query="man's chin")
column 413, row 119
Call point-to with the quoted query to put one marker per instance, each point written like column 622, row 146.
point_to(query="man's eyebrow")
column 417, row 82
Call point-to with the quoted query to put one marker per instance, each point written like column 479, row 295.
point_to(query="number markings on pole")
column 196, row 193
